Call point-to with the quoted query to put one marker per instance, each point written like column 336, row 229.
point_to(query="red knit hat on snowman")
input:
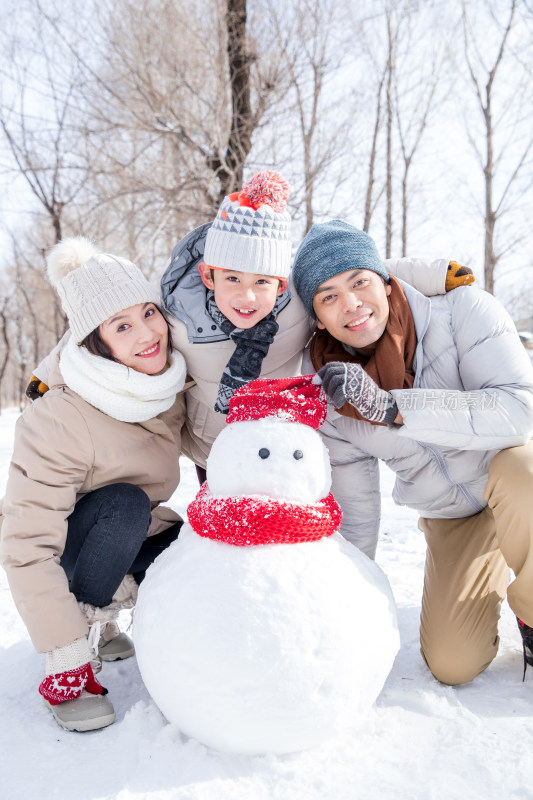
column 256, row 520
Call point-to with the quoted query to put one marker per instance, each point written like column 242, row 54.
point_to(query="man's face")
column 353, row 307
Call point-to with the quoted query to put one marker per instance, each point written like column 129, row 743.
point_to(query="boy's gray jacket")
column 472, row 397
column 207, row 349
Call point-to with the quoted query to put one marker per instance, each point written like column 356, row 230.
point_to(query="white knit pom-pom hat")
column 93, row 286
column 252, row 229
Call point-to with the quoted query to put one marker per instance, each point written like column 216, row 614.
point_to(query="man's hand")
column 349, row 382
column 458, row 275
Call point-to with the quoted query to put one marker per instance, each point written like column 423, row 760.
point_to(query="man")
column 435, row 387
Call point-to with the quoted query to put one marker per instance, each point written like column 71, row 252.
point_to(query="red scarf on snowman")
column 262, row 520
column 255, row 519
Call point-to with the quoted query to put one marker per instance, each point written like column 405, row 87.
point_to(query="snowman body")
column 274, row 647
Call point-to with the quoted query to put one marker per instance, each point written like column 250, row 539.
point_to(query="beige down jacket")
column 65, row 448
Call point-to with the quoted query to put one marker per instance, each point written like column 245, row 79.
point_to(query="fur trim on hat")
column 68, row 255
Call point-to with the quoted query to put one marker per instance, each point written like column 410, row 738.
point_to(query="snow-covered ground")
column 422, row 739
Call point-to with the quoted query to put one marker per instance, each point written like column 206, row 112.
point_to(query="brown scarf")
column 391, row 363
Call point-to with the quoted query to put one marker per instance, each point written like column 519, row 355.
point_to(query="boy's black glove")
column 35, row 388
column 349, row 382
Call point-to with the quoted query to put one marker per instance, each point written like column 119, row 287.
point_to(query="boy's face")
column 353, row 307
column 244, row 298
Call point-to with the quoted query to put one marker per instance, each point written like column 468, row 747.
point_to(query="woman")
column 92, row 461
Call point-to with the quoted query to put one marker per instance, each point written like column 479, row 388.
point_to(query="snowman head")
column 271, row 446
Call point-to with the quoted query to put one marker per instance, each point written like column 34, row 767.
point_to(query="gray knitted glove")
column 342, row 381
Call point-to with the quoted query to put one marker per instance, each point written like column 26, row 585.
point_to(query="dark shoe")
column 527, row 643
column 201, row 474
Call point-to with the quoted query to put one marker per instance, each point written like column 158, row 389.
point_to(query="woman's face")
column 138, row 338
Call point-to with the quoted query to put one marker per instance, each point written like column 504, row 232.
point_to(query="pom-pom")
column 266, row 189
column 67, row 255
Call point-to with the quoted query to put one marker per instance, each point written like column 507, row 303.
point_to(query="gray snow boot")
column 113, row 644
column 88, row 712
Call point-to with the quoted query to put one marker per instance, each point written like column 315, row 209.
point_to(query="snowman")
column 261, row 629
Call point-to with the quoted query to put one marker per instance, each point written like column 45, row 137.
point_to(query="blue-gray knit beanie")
column 329, row 249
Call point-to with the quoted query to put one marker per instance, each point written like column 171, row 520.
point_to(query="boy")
column 233, row 318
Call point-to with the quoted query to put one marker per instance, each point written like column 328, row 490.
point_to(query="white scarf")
column 119, row 391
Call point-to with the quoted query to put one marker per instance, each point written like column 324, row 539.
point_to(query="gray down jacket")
column 472, row 397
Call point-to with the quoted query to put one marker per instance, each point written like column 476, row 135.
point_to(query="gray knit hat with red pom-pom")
column 252, row 229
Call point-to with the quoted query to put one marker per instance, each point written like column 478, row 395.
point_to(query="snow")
column 422, row 739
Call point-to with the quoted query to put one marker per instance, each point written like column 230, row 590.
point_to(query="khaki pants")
column 467, row 572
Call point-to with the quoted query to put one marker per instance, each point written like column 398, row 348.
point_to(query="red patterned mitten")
column 70, row 684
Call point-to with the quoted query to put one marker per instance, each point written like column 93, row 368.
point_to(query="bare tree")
column 229, row 167
column 38, row 121
column 32, row 320
column 487, row 67
column 187, row 105
column 392, row 36
column 415, row 84
column 310, row 126
column 404, row 69
column 370, row 199
column 381, row 34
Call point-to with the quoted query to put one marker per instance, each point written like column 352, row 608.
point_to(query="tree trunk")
column 56, row 222
column 230, row 170
column 493, row 208
column 390, row 68
column 5, row 339
column 372, row 160
column 490, row 216
column 404, row 209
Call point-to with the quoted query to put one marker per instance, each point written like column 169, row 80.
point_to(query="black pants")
column 107, row 538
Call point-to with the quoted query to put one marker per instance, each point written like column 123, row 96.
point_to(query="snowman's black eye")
column 298, row 455
column 264, row 453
